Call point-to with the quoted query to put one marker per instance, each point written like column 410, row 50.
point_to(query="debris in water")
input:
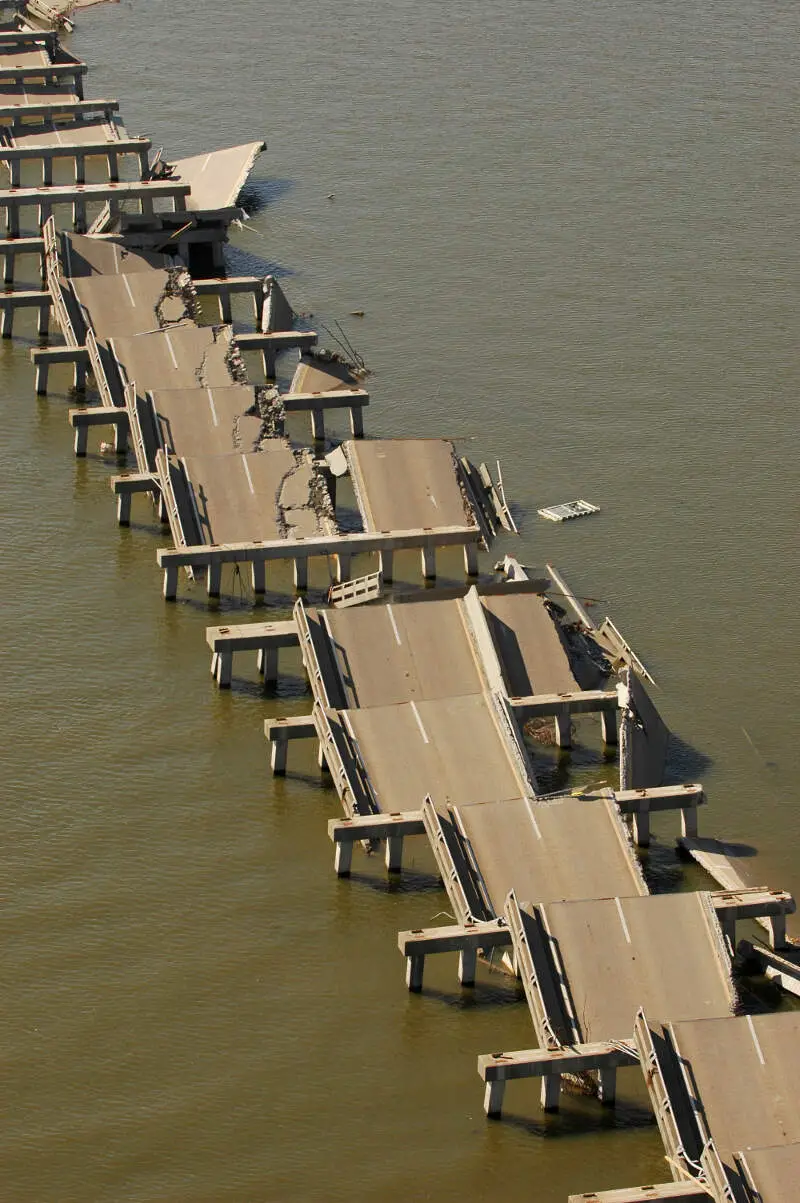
column 568, row 509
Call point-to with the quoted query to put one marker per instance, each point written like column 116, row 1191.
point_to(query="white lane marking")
column 247, row 474
column 208, row 160
column 755, row 1039
column 423, row 732
column 128, row 290
column 211, row 403
column 171, row 352
column 394, row 626
column 533, row 818
column 433, row 499
column 625, row 931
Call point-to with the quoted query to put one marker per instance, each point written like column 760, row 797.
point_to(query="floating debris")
column 567, row 510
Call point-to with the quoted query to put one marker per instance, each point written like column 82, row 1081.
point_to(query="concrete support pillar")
column 79, row 215
column 607, row 1086
column 343, row 562
column 608, row 728
column 429, row 563
column 81, row 440
column 259, row 576
column 268, row 664
column 471, row 559
column 278, row 757
column 225, row 306
column 322, row 759
column 170, row 582
column 224, row 669
column 15, row 171
column 7, row 327
column 41, row 378
column 493, row 1098
column 415, row 969
column 47, row 172
column 214, row 578
column 121, row 438
column 641, row 828
column 343, row 858
column 269, row 359
column 43, row 324
column 12, row 221
column 689, row 821
column 8, row 268
column 563, row 726
column 113, row 166
column 80, row 169
column 467, row 966
column 79, row 375
column 214, row 663
column 386, row 566
column 394, row 853
column 551, row 1091
column 124, row 509
column 777, row 931
column 301, row 573
column 357, row 421
column 318, row 425
column 163, row 512
column 144, row 164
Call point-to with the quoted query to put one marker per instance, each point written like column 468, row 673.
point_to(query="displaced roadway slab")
column 184, row 356
column 567, row 848
column 316, row 375
column 405, row 484
column 450, row 748
column 663, row 953
column 528, row 642
column 132, row 303
column 258, row 496
column 199, row 422
column 392, row 654
column 774, row 1172
column 84, row 256
column 69, row 133
column 746, row 1072
column 217, row 178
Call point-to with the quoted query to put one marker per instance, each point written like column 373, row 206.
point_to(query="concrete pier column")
column 214, row 663
column 278, row 757
column 170, row 582
column 80, row 169
column 777, row 931
column 301, row 573
column 214, row 578
column 268, row 664
column 81, row 440
column 689, row 821
column 121, row 438
column 343, row 562
column 563, row 726
column 268, row 359
column 429, row 563
column 467, row 966
column 322, row 760
column 113, row 166
column 47, row 172
column 225, row 670
column 386, row 565
column 493, row 1098
column 43, row 325
column 79, row 215
column 394, row 853
column 607, row 1080
column 12, row 221
column 608, row 728
column 79, row 375
column 41, row 377
column 15, row 170
column 318, row 425
column 7, row 326
column 641, row 828
column 225, row 306
column 343, row 858
column 8, row 268
column 551, row 1091
column 471, row 559
column 163, row 512
column 147, row 206
column 415, row 969
column 259, row 576
column 45, row 212
column 357, row 421
column 124, row 509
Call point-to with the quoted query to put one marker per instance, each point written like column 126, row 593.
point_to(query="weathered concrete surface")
column 315, row 374
column 528, row 642
column 402, row 484
column 217, row 178
column 775, row 1172
column 449, row 748
column 69, row 133
column 644, row 738
column 134, row 302
column 84, row 256
column 265, row 495
column 199, row 422
column 662, row 953
column 746, row 1072
column 184, row 356
column 549, row 851
column 391, row 654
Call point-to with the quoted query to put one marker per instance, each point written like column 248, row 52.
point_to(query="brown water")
column 573, row 230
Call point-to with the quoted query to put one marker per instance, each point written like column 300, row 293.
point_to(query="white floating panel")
column 568, row 509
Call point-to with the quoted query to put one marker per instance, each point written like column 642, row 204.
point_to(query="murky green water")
column 572, row 229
